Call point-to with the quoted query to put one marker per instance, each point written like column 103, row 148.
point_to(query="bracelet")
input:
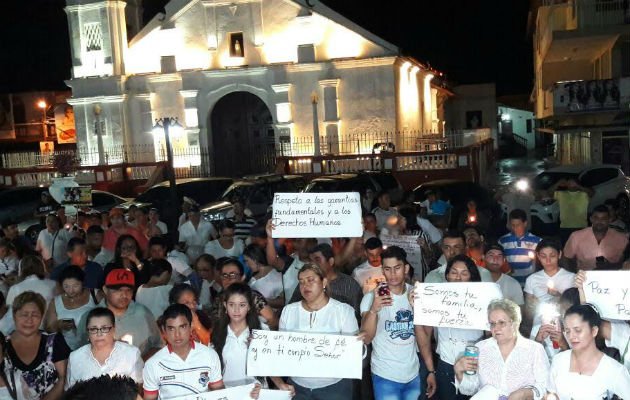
column 372, row 312
column 434, row 372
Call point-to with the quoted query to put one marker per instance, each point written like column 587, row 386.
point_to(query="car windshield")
column 329, row 186
column 545, row 180
column 239, row 191
column 151, row 195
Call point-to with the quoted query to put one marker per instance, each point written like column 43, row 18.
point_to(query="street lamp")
column 42, row 104
column 167, row 125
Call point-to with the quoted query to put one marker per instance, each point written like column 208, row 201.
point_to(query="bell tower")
column 98, row 37
column 133, row 14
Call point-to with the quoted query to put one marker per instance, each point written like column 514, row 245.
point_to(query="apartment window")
column 237, row 47
column 528, row 126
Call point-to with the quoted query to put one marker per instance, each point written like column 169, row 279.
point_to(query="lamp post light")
column 42, row 104
column 167, row 125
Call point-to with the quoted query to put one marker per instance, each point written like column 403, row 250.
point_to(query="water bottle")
column 471, row 351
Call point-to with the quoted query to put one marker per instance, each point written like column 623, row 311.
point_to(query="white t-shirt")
column 8, row 265
column 335, row 318
column 368, row 276
column 511, row 289
column 45, row 287
column 234, row 356
column 290, row 278
column 451, row 342
column 154, row 298
column 54, row 246
column 620, row 339
column 609, row 378
column 124, row 360
column 195, row 239
column 217, row 251
column 394, row 348
column 536, row 284
column 269, row 285
column 170, row 376
column 382, row 216
column 71, row 336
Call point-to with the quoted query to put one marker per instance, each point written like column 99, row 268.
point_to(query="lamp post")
column 314, row 100
column 99, row 135
column 166, row 125
column 42, row 104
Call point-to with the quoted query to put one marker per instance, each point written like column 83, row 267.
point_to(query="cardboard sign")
column 609, row 291
column 313, row 355
column 317, row 215
column 233, row 393
column 454, row 305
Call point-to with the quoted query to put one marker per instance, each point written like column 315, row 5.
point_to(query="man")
column 242, row 223
column 195, row 233
column 134, row 322
column 156, row 227
column 104, row 387
column 370, row 273
column 453, row 244
column 289, row 265
column 52, row 242
column 95, row 218
column 597, row 247
column 573, row 203
column 158, row 250
column 494, row 258
column 613, row 210
column 183, row 367
column 369, row 226
column 11, row 232
column 61, row 213
column 232, row 271
column 384, row 212
column 387, row 320
column 94, row 246
column 77, row 255
column 45, row 206
column 341, row 287
column 119, row 227
column 520, row 246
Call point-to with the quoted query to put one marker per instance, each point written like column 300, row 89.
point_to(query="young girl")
column 266, row 279
column 230, row 337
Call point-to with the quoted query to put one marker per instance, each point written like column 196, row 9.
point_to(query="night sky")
column 471, row 41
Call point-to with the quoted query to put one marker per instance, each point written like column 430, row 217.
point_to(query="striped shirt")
column 519, row 254
column 243, row 228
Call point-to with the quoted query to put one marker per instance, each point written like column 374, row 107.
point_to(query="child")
column 154, row 294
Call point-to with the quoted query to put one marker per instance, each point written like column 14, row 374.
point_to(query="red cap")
column 120, row 277
column 116, row 211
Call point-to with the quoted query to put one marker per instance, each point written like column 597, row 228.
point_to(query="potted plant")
column 64, row 164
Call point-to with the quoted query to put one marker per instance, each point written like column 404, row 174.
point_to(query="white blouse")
column 269, row 285
column 525, row 366
column 124, row 360
column 609, row 378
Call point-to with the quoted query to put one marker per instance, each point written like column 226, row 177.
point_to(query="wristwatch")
column 432, row 372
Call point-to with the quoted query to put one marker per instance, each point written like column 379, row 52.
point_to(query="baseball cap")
column 116, row 211
column 120, row 277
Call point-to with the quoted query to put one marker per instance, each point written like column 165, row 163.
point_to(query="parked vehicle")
column 608, row 181
column 257, row 193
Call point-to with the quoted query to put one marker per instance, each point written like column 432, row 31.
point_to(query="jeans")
column 445, row 378
column 424, row 372
column 341, row 390
column 384, row 389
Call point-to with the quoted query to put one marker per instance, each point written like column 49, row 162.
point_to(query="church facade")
column 244, row 78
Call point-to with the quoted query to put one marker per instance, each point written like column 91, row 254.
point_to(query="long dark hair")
column 475, row 276
column 118, row 252
column 219, row 333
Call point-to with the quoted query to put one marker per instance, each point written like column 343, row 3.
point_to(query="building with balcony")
column 247, row 80
column 582, row 78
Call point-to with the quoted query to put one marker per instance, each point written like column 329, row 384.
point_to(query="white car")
column 607, row 180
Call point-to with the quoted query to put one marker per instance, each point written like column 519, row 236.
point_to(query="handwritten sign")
column 610, row 292
column 409, row 243
column 268, row 394
column 233, row 393
column 313, row 355
column 454, row 305
column 317, row 215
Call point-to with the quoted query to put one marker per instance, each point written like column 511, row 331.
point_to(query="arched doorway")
column 242, row 135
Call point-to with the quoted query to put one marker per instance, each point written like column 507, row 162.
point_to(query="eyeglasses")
column 500, row 324
column 103, row 329
column 231, row 275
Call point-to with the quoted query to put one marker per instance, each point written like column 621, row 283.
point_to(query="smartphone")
column 383, row 289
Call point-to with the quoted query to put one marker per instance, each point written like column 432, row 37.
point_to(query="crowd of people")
column 117, row 299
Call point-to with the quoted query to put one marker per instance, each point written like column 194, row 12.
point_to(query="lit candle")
column 531, row 255
column 550, row 284
column 472, row 218
column 127, row 338
column 551, row 396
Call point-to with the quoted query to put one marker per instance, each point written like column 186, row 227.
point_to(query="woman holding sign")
column 584, row 372
column 508, row 364
column 451, row 342
column 318, row 313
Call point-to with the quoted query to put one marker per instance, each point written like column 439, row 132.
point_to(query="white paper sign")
column 233, row 393
column 267, row 394
column 454, row 305
column 313, row 355
column 610, row 292
column 409, row 243
column 317, row 215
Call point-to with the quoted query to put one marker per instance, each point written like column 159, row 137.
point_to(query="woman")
column 317, row 313
column 128, row 255
column 508, row 364
column 35, row 362
column 183, row 293
column 265, row 279
column 65, row 312
column 549, row 334
column 32, row 277
column 104, row 355
column 451, row 342
column 547, row 284
column 204, row 279
column 230, row 337
column 4, row 390
column 225, row 245
column 584, row 372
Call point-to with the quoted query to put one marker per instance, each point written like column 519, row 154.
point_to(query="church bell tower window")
column 93, row 37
